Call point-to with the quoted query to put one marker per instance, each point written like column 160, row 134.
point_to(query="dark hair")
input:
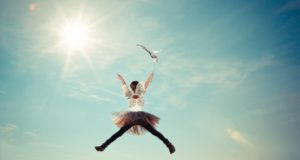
column 133, row 85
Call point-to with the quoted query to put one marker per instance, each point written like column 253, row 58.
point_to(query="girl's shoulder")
column 140, row 89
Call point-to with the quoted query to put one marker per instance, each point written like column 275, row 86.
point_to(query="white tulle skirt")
column 126, row 117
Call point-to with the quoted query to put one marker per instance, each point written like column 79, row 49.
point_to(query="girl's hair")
column 133, row 85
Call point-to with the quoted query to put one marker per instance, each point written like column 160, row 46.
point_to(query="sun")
column 75, row 35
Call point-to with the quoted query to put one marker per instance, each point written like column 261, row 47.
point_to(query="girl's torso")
column 135, row 98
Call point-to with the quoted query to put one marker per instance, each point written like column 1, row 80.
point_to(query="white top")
column 138, row 103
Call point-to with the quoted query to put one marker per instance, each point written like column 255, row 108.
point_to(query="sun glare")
column 75, row 35
column 76, row 39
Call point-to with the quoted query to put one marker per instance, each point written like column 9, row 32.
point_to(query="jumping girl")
column 135, row 120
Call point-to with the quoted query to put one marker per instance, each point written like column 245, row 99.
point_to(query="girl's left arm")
column 149, row 80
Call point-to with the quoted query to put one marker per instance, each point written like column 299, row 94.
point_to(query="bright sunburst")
column 76, row 40
column 75, row 35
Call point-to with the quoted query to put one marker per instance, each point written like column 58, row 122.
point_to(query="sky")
column 226, row 87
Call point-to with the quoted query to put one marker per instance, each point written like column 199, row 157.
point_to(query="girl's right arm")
column 121, row 79
column 124, row 86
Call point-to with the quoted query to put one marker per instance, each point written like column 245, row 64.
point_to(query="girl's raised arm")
column 121, row 79
column 149, row 80
column 124, row 86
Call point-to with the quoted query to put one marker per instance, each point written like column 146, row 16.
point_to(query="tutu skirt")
column 126, row 117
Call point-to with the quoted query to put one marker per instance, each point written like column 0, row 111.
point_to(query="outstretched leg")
column 114, row 137
column 147, row 126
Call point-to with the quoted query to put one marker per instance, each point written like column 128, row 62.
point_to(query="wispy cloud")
column 227, row 74
column 85, row 92
column 15, row 132
column 182, row 75
column 30, row 134
column 223, row 73
column 264, row 61
column 8, row 129
column 238, row 137
column 191, row 73
column 98, row 98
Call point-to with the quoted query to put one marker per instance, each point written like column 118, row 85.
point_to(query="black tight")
column 144, row 124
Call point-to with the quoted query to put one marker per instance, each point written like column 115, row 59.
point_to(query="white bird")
column 151, row 53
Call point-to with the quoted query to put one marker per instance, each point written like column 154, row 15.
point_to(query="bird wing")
column 145, row 49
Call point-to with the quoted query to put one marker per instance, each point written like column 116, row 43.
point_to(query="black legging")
column 144, row 124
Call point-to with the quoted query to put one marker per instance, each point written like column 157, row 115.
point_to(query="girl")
column 135, row 120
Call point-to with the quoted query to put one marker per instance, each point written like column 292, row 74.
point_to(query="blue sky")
column 226, row 85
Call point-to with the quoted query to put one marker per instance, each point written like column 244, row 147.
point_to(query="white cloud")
column 218, row 73
column 238, row 136
column 180, row 75
column 98, row 98
column 223, row 75
column 88, row 92
column 8, row 129
column 31, row 134
column 88, row 96
column 264, row 61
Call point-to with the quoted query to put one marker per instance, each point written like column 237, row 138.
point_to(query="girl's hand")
column 119, row 77
column 151, row 76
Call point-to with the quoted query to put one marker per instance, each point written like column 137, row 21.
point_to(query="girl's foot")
column 171, row 148
column 99, row 148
